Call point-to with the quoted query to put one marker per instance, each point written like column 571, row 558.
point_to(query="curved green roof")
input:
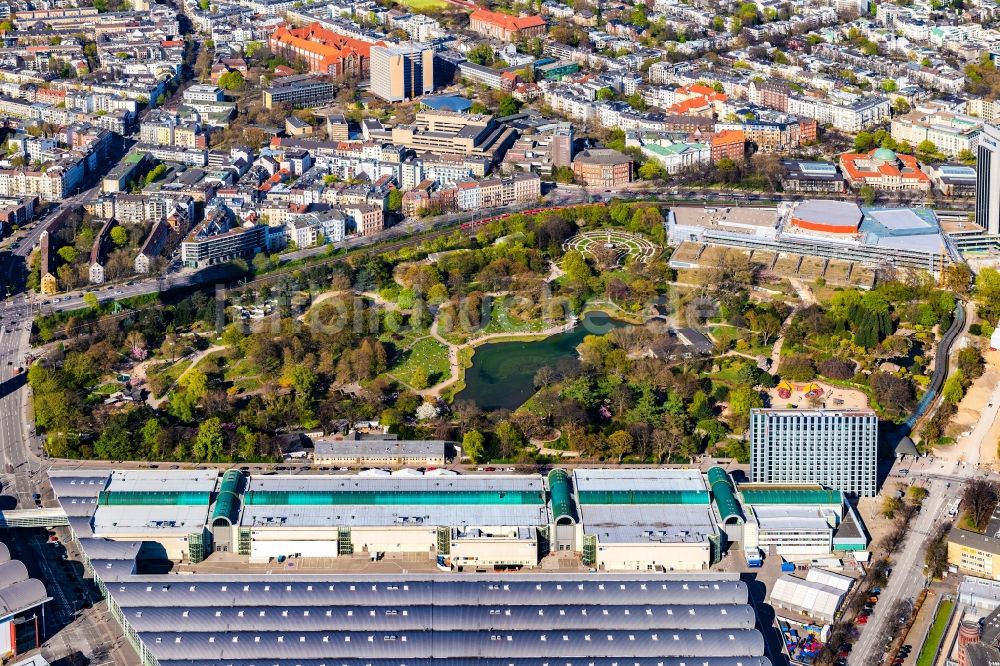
column 724, row 494
column 561, row 496
column 227, row 504
column 885, row 154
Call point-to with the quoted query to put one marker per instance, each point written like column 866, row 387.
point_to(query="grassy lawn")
column 928, row 651
column 405, row 337
column 425, row 4
column 168, row 371
column 207, row 363
column 427, row 353
column 502, row 321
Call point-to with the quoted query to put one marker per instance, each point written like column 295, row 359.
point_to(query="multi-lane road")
column 944, row 480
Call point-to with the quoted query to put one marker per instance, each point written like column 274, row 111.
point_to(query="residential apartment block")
column 951, row 133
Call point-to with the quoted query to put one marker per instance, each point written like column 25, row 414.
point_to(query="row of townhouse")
column 473, row 195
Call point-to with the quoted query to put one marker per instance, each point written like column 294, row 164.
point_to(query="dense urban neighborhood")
column 517, row 333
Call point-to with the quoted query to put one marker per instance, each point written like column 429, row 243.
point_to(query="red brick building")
column 602, row 167
column 505, row 27
column 324, row 51
column 728, row 143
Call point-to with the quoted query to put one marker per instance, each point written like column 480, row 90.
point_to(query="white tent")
column 842, row 583
column 819, row 595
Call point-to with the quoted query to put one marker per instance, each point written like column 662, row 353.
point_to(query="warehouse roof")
column 648, row 524
column 403, row 514
column 455, row 644
column 381, row 619
column 161, row 520
column 78, row 483
column 18, row 592
column 836, row 214
column 421, row 589
column 494, row 483
column 378, row 448
column 640, row 486
column 792, row 518
column 451, row 618
column 199, row 480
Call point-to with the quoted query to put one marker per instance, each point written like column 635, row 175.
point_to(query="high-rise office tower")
column 833, row 447
column 988, row 180
column 403, row 71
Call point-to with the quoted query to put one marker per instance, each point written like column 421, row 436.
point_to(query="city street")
column 944, row 482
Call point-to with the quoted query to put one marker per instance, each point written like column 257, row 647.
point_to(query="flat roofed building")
column 455, row 133
column 977, row 554
column 833, row 217
column 299, row 90
column 402, row 72
column 953, row 180
column 659, row 519
column 811, row 177
column 802, row 520
column 165, row 507
column 339, row 451
column 988, row 180
column 690, row 223
column 327, row 516
column 917, row 244
column 207, row 246
column 835, row 448
column 951, row 133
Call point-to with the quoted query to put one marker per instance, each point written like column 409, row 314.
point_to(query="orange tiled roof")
column 849, row 162
column 688, row 105
column 705, row 91
column 728, row 136
column 506, row 21
column 330, row 46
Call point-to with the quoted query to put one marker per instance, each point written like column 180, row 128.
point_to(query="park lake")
column 502, row 373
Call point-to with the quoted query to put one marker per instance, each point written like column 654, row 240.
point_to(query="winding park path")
column 195, row 360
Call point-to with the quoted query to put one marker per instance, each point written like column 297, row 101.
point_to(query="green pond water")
column 503, row 373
